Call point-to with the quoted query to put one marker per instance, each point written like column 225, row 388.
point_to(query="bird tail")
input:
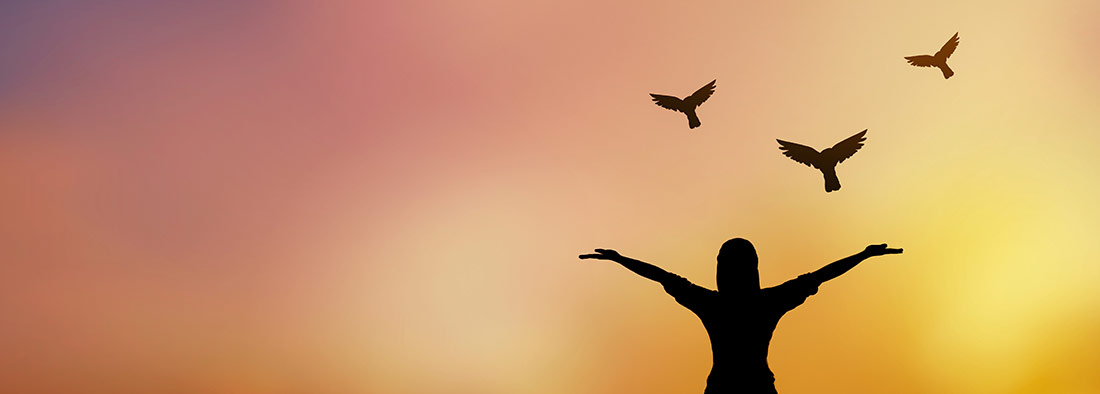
column 832, row 183
column 693, row 119
column 947, row 72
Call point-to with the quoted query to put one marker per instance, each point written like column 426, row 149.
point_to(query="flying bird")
column 825, row 160
column 688, row 104
column 939, row 59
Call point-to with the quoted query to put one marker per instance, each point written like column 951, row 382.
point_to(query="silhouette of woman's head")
column 737, row 267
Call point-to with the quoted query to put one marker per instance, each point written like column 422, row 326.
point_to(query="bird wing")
column 949, row 47
column 920, row 60
column 701, row 95
column 845, row 149
column 797, row 152
column 668, row 102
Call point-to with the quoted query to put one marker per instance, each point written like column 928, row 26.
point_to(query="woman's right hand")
column 880, row 250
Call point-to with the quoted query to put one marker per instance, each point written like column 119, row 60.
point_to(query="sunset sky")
column 390, row 196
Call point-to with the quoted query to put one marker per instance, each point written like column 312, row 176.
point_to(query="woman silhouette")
column 740, row 316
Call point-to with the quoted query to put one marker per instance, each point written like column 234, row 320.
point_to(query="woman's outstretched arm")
column 841, row 266
column 646, row 270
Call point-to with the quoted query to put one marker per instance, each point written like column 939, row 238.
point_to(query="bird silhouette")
column 939, row 59
column 688, row 104
column 825, row 160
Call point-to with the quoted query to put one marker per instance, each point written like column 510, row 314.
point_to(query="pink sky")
column 337, row 197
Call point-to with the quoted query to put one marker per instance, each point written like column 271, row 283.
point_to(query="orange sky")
column 350, row 197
